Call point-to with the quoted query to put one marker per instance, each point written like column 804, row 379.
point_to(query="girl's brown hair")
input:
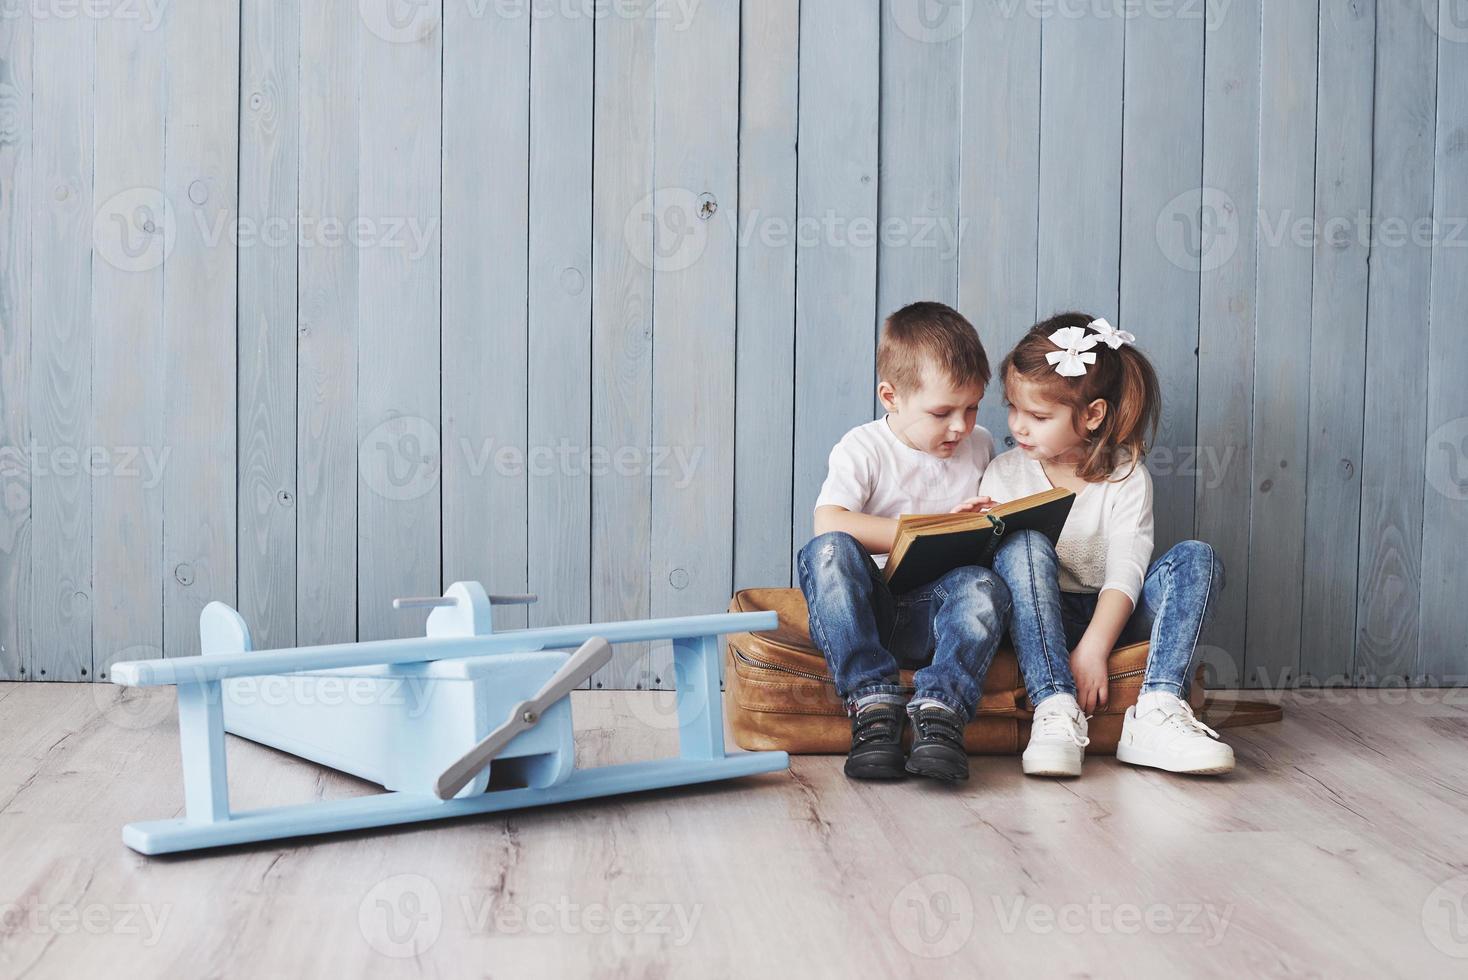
column 1123, row 378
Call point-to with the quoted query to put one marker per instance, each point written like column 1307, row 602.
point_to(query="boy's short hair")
column 930, row 333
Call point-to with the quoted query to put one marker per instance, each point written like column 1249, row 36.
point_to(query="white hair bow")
column 1109, row 335
column 1075, row 351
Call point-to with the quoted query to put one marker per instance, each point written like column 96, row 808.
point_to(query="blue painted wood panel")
column 580, row 305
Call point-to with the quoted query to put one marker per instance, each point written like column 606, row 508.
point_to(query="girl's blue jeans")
column 1177, row 599
column 948, row 629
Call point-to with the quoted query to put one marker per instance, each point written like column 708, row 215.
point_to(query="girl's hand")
column 974, row 505
column 1089, row 669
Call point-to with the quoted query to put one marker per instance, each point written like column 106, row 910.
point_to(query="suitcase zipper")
column 779, row 668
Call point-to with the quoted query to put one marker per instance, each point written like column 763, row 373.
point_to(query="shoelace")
column 1188, row 723
column 1060, row 725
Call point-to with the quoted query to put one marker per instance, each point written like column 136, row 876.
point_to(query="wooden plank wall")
column 307, row 306
column 1281, row 337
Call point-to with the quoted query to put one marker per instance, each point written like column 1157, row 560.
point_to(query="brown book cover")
column 930, row 545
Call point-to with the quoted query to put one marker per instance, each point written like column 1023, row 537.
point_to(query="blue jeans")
column 1177, row 600
column 949, row 628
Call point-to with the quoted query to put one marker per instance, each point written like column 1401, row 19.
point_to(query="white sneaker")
column 1162, row 732
column 1057, row 738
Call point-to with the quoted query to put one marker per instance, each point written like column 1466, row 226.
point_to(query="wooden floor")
column 1338, row 848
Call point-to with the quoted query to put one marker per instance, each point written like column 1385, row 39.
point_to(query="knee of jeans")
column 834, row 549
column 975, row 578
column 1201, row 555
column 1023, row 546
column 1033, row 541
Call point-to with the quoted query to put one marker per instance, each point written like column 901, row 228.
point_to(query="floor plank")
column 1337, row 848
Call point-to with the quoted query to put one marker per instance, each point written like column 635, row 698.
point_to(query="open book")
column 929, row 545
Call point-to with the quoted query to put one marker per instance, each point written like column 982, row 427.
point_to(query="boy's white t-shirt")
column 872, row 471
column 1108, row 537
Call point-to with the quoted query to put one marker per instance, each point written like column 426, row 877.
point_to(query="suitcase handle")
column 1241, row 713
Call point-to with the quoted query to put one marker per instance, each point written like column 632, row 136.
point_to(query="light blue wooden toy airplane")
column 463, row 720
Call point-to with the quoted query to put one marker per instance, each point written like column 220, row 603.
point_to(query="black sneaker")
column 937, row 745
column 876, row 742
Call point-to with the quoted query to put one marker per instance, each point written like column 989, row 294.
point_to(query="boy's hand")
column 1088, row 666
column 974, row 505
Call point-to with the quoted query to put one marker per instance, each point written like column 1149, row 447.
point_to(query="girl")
column 1083, row 405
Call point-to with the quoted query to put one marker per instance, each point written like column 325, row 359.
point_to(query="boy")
column 924, row 456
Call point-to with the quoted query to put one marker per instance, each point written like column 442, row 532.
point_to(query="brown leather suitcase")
column 778, row 692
